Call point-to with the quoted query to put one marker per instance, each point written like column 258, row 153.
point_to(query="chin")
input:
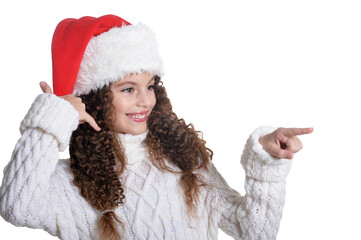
column 137, row 132
column 134, row 130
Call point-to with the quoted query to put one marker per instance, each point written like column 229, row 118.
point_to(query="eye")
column 150, row 87
column 128, row 90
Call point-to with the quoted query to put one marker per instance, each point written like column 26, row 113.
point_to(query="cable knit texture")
column 37, row 189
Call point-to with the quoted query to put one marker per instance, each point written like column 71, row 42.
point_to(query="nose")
column 143, row 99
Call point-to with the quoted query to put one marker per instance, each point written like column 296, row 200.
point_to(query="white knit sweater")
column 37, row 189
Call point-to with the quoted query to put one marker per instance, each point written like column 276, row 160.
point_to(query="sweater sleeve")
column 256, row 215
column 25, row 198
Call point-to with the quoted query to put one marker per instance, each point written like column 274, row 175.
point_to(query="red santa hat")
column 89, row 53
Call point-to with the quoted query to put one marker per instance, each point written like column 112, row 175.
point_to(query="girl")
column 136, row 170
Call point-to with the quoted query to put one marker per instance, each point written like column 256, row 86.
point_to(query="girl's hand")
column 283, row 142
column 77, row 104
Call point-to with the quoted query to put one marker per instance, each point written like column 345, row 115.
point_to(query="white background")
column 231, row 66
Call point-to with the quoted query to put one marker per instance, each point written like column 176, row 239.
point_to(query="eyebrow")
column 125, row 83
column 133, row 83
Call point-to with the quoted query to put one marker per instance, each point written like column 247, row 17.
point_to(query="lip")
column 137, row 119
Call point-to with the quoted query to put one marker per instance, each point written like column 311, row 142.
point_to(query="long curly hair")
column 98, row 160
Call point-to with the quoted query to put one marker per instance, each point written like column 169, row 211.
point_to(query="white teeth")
column 137, row 116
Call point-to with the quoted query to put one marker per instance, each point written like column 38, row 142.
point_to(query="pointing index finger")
column 89, row 119
column 290, row 132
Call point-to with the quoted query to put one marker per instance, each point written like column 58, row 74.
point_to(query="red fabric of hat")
column 70, row 40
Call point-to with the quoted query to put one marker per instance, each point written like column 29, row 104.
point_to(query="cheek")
column 153, row 101
column 121, row 106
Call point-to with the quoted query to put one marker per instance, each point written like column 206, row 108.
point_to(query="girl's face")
column 133, row 101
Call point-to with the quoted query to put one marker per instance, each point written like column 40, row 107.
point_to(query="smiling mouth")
column 138, row 117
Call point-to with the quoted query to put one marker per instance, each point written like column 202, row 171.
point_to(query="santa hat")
column 89, row 53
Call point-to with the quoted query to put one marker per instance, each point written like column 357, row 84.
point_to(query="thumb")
column 280, row 153
column 45, row 87
column 285, row 154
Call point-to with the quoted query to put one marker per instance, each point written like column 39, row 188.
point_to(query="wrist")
column 53, row 115
column 258, row 163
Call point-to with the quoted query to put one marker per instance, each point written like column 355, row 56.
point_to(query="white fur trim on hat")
column 115, row 54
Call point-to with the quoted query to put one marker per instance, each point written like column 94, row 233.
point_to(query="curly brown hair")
column 98, row 160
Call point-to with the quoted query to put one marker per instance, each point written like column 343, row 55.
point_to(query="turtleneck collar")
column 134, row 147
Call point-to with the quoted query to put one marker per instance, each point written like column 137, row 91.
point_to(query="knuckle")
column 73, row 98
column 301, row 145
column 294, row 149
column 280, row 129
column 279, row 134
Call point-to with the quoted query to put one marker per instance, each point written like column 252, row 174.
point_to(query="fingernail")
column 288, row 156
